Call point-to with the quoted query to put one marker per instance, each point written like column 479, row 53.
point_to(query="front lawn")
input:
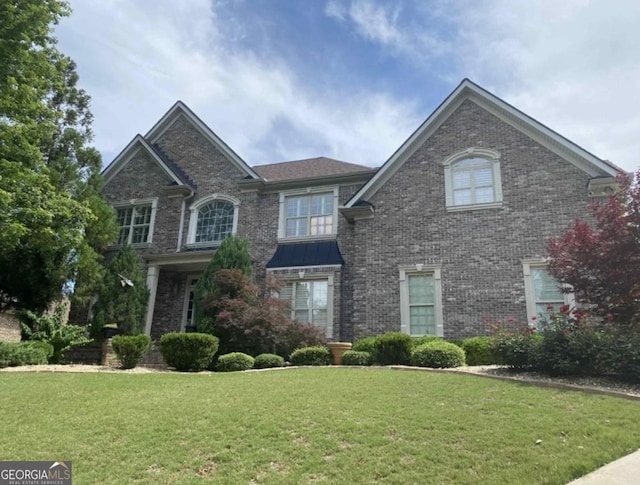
column 310, row 425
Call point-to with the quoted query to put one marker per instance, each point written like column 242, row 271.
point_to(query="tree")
column 601, row 261
column 50, row 207
column 123, row 295
column 233, row 253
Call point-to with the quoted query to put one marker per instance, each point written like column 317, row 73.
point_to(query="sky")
column 282, row 80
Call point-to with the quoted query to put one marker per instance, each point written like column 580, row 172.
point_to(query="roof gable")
column 550, row 139
column 308, row 168
column 180, row 109
column 173, row 172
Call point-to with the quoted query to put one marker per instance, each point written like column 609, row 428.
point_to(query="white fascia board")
column 568, row 150
column 128, row 153
column 179, row 108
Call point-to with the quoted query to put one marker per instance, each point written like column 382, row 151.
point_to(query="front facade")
column 451, row 229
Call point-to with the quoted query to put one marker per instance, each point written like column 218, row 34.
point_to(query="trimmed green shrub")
column 188, row 351
column 477, row 351
column 519, row 351
column 311, row 356
column 393, row 348
column 130, row 349
column 365, row 345
column 233, row 362
column 21, row 353
column 437, row 354
column 418, row 341
column 266, row 361
column 355, row 357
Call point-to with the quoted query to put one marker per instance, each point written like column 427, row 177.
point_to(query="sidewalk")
column 625, row 471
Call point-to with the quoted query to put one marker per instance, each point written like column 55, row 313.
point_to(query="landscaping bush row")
column 24, row 353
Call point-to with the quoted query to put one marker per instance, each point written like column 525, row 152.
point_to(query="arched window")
column 472, row 179
column 212, row 220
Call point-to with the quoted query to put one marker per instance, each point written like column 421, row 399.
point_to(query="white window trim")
column 193, row 219
column 153, row 201
column 405, row 271
column 530, row 293
column 185, row 305
column 473, row 152
column 328, row 277
column 282, row 217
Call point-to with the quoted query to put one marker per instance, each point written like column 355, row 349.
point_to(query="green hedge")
column 131, row 349
column 21, row 353
column 266, row 361
column 366, row 344
column 355, row 357
column 311, row 356
column 234, row 362
column 393, row 348
column 188, row 351
column 438, row 354
column 478, row 351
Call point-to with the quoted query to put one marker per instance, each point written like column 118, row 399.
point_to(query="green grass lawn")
column 309, row 426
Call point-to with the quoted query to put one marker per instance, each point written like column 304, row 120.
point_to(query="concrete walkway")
column 625, row 471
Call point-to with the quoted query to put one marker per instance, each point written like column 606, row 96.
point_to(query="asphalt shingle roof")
column 308, row 168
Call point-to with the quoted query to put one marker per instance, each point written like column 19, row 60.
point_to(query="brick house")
column 452, row 228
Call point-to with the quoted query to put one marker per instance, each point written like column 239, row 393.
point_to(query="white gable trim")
column 564, row 148
column 181, row 109
column 130, row 151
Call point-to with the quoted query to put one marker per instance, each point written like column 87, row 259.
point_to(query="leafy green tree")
column 233, row 253
column 123, row 295
column 53, row 222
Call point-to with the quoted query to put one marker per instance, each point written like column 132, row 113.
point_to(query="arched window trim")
column 493, row 157
column 193, row 218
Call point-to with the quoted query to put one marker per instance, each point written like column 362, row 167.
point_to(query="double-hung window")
column 543, row 293
column 135, row 222
column 311, row 301
column 308, row 215
column 473, row 180
column 421, row 301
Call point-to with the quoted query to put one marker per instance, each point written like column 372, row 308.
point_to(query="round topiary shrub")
column 234, row 362
column 393, row 348
column 437, row 354
column 311, row 356
column 130, row 349
column 354, row 357
column 478, row 351
column 267, row 361
column 188, row 351
column 417, row 341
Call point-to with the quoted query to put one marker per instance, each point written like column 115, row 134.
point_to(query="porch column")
column 153, row 271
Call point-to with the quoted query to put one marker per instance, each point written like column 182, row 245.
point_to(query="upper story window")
column 212, row 220
column 312, row 214
column 135, row 221
column 472, row 179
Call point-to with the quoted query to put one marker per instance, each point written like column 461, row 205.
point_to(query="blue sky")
column 352, row 79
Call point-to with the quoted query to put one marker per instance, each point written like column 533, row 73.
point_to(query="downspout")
column 182, row 211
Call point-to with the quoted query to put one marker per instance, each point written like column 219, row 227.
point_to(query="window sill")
column 135, row 246
column 474, row 207
column 326, row 237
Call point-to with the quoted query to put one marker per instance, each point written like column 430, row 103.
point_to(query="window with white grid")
column 215, row 221
column 473, row 180
column 311, row 301
column 135, row 223
column 309, row 215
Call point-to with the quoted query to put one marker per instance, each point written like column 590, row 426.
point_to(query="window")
column 472, row 179
column 189, row 314
column 135, row 221
column 543, row 293
column 311, row 302
column 421, row 300
column 309, row 215
column 212, row 220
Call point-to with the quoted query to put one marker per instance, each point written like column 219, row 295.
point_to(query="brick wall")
column 481, row 250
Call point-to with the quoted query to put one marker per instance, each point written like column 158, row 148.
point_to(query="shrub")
column 477, row 351
column 417, row 341
column 355, row 357
column 626, row 349
column 46, row 347
column 233, row 362
column 188, row 351
column 21, row 353
column 266, row 361
column 393, row 348
column 317, row 355
column 519, row 351
column 437, row 354
column 365, row 345
column 130, row 349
